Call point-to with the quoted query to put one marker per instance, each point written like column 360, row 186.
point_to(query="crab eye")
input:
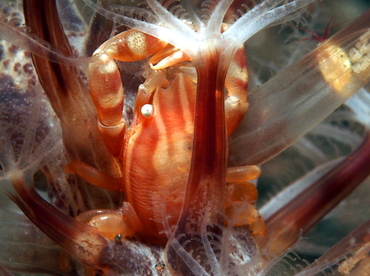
column 147, row 110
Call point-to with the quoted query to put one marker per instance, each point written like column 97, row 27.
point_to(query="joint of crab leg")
column 113, row 137
column 244, row 191
column 110, row 223
column 123, row 222
column 243, row 173
column 160, row 61
column 156, row 79
column 245, row 214
column 161, row 54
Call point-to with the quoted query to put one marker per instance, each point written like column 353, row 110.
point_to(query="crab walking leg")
column 167, row 57
column 241, row 197
column 113, row 224
column 94, row 176
column 236, row 82
column 107, row 93
column 242, row 173
column 106, row 84
column 241, row 194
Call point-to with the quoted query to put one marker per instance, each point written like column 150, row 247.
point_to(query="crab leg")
column 241, row 197
column 236, row 82
column 106, row 84
column 107, row 93
column 66, row 91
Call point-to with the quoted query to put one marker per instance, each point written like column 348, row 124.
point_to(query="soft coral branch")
column 299, row 97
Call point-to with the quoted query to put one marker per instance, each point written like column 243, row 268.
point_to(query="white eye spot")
column 147, row 110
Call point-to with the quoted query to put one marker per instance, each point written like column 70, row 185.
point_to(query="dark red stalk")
column 201, row 218
column 206, row 183
column 66, row 90
column 82, row 241
column 304, row 211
